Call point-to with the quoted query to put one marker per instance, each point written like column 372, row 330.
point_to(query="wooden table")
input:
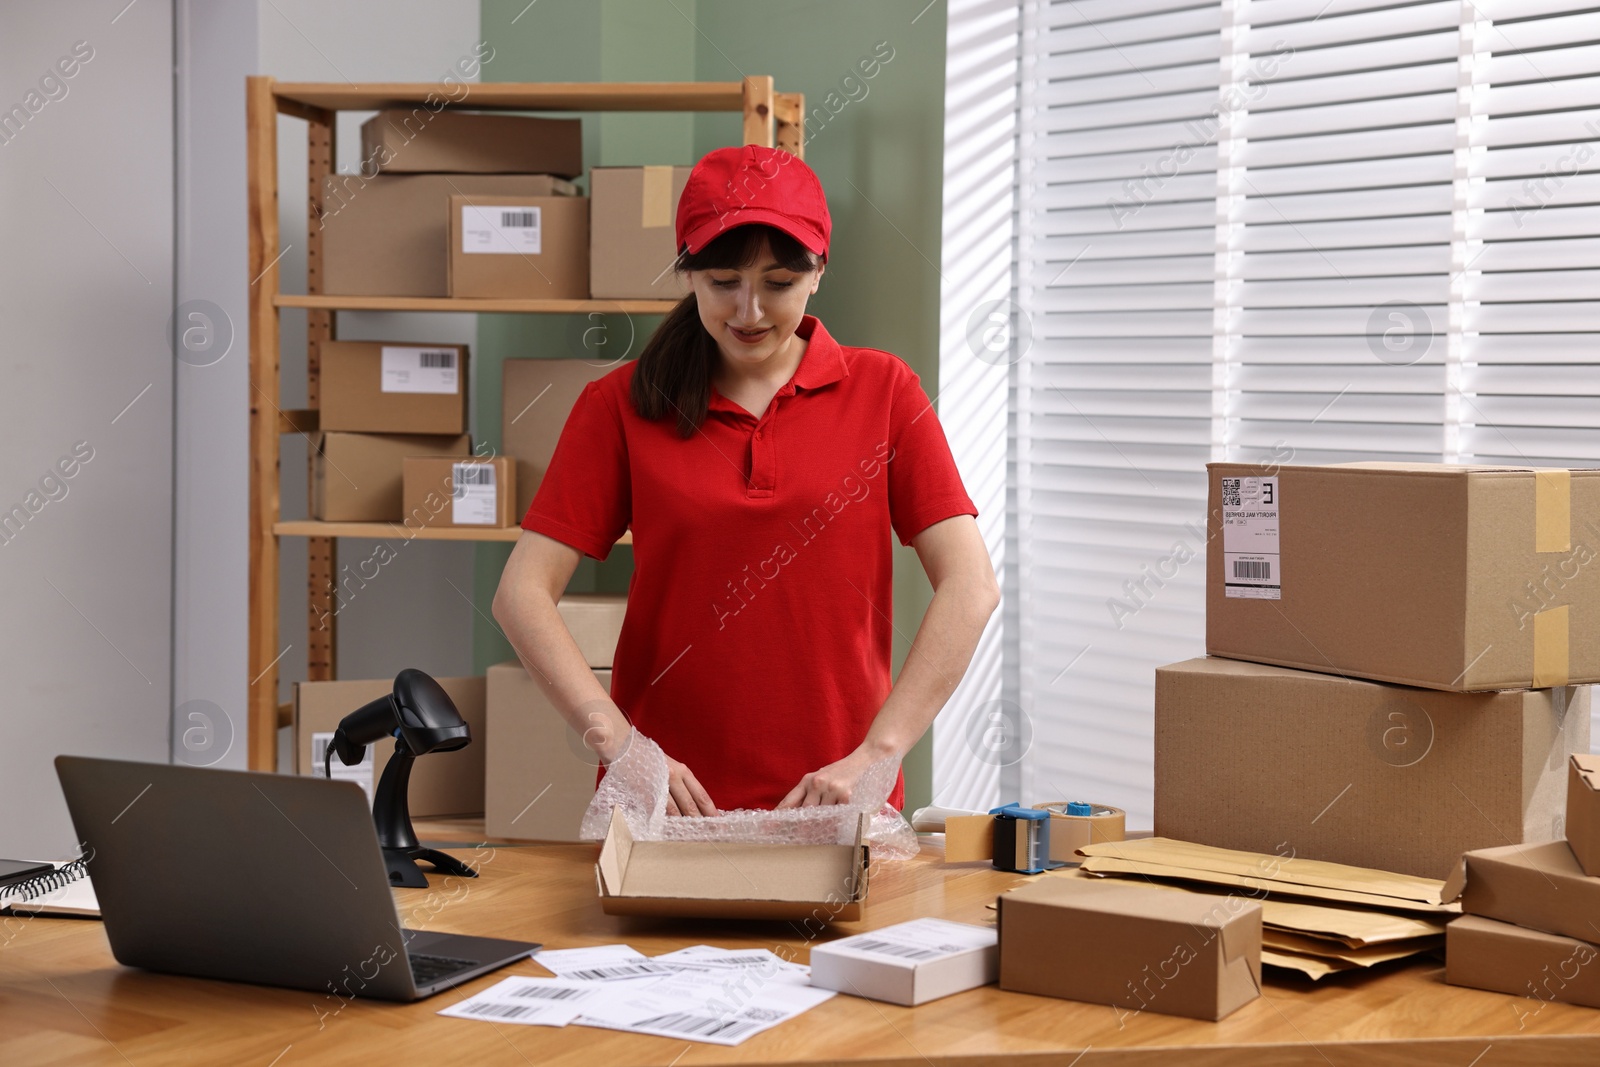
column 64, row 1000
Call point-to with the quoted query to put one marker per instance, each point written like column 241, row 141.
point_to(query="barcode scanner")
column 422, row 718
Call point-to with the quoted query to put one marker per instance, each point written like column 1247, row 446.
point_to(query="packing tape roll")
column 1068, row 833
column 657, row 201
column 1550, row 643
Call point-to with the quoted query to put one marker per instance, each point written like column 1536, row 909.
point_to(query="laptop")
column 264, row 878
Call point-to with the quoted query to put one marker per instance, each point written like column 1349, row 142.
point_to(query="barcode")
column 626, row 970
column 762, row 1015
column 521, row 220
column 474, row 474
column 502, row 1011
column 1230, row 493
column 722, row 961
column 910, row 952
column 445, row 360
column 680, row 1022
column 1255, row 569
column 549, row 992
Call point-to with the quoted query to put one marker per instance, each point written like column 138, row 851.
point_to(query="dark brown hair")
column 673, row 377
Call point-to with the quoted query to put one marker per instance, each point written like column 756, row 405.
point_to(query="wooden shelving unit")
column 770, row 118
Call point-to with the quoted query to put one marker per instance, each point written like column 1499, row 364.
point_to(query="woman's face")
column 753, row 311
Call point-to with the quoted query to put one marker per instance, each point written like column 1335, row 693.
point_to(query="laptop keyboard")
column 426, row 970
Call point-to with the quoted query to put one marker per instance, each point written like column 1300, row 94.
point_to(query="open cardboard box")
column 730, row 879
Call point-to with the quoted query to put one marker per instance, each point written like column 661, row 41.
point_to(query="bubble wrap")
column 636, row 782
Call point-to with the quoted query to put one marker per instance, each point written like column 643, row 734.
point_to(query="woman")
column 761, row 467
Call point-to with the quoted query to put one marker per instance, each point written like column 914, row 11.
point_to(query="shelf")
column 380, row 531
column 524, row 96
column 322, row 302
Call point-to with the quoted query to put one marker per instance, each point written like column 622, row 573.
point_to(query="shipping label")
column 1250, row 538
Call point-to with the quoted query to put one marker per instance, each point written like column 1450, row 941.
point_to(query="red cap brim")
column 809, row 239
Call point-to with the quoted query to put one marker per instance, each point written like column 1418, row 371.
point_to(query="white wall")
column 86, row 288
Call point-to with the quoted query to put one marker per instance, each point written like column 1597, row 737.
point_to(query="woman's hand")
column 685, row 794
column 833, row 784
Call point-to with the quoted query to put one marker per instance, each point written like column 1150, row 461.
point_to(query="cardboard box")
column 382, row 387
column 442, row 783
column 1537, row 886
column 388, row 235
column 1583, row 811
column 1450, row 577
column 595, row 622
column 450, row 492
column 539, row 777
column 420, row 141
column 632, row 246
column 356, row 477
column 1261, row 759
column 731, row 879
column 1485, row 954
column 909, row 963
column 1135, row 946
column 519, row 247
column 536, row 396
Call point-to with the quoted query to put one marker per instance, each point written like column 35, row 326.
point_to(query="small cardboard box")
column 356, row 477
column 595, row 622
column 519, row 247
column 388, row 235
column 450, row 492
column 1486, row 954
column 1253, row 757
column 1450, row 577
column 1537, row 886
column 536, row 397
column 420, row 141
column 377, row 387
column 909, row 963
column 631, row 245
column 1137, row 947
column 539, row 777
column 731, row 879
column 442, row 783
column 1583, row 811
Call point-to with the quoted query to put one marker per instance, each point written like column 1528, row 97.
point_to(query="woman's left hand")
column 833, row 784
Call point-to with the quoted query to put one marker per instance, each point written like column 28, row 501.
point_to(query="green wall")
column 877, row 145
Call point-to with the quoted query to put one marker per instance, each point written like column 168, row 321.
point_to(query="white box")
column 909, row 963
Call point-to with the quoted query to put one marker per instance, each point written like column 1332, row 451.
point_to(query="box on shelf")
column 1537, row 886
column 731, row 879
column 632, row 247
column 519, row 247
column 1262, row 758
column 442, row 783
column 356, row 477
column 1486, row 954
column 595, row 622
column 1450, row 577
column 536, row 396
column 908, row 963
column 445, row 492
column 1137, row 947
column 388, row 235
column 377, row 387
column 1583, row 812
column 420, row 141
column 539, row 776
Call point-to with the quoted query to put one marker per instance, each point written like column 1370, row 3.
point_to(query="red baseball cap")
column 748, row 184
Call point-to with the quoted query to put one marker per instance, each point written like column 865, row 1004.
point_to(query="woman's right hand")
column 685, row 794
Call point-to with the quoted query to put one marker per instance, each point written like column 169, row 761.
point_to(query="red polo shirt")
column 756, row 644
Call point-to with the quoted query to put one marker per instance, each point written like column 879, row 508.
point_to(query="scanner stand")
column 391, row 811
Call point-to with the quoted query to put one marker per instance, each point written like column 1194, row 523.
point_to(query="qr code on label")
column 1230, row 492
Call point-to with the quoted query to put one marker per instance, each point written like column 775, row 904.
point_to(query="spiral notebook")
column 62, row 893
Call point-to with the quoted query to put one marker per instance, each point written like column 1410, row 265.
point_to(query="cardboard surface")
column 486, row 263
column 1138, row 947
column 376, row 387
column 538, row 777
column 357, row 477
column 1486, row 954
column 1537, row 886
column 1583, row 810
column 909, row 963
column 536, row 397
column 1448, row 577
column 431, row 498
column 595, row 622
column 632, row 245
column 442, row 783
column 1267, row 759
column 388, row 235
column 419, row 141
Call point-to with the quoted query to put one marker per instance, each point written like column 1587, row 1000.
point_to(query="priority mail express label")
column 1250, row 538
